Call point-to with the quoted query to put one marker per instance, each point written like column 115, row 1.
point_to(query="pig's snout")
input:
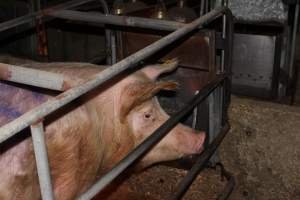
column 190, row 142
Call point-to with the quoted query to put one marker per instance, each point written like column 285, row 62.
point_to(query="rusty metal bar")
column 41, row 157
column 38, row 14
column 153, row 139
column 33, row 77
column 48, row 107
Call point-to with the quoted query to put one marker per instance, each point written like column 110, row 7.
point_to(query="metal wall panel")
column 254, row 70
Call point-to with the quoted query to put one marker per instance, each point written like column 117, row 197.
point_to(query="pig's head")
column 141, row 113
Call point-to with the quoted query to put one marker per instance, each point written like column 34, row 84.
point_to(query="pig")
column 86, row 138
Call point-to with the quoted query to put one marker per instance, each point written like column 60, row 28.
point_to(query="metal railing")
column 33, row 118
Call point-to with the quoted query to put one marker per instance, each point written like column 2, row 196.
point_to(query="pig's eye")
column 147, row 115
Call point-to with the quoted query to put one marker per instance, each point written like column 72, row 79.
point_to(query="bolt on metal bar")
column 153, row 139
column 48, row 107
column 41, row 157
column 200, row 164
column 33, row 77
column 117, row 20
column 38, row 14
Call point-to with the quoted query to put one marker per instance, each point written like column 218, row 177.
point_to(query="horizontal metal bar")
column 48, row 107
column 199, row 164
column 153, row 139
column 117, row 20
column 38, row 14
column 41, row 157
column 33, row 77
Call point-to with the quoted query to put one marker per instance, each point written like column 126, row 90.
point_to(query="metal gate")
column 216, row 92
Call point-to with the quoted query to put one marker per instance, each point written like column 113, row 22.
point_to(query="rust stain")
column 5, row 73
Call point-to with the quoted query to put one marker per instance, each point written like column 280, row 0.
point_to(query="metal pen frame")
column 33, row 118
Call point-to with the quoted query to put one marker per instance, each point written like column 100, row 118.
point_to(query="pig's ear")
column 136, row 94
column 153, row 71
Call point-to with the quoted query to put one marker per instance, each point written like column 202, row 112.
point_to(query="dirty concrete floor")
column 262, row 150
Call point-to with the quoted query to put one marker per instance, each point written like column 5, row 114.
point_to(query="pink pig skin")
column 85, row 139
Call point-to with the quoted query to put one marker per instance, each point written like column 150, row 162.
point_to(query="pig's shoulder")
column 16, row 100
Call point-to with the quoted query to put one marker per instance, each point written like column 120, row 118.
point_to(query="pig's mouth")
column 185, row 162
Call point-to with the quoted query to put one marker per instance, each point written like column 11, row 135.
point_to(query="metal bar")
column 33, row 77
column 41, row 157
column 108, row 35
column 200, row 164
column 202, row 7
column 293, row 42
column 38, row 14
column 153, row 139
column 118, row 20
column 229, row 186
column 48, row 107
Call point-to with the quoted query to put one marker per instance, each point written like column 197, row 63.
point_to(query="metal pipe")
column 48, row 107
column 202, row 7
column 118, row 20
column 230, row 183
column 153, row 139
column 108, row 35
column 41, row 157
column 97, row 18
column 199, row 164
column 38, row 14
column 33, row 77
column 114, row 47
column 293, row 42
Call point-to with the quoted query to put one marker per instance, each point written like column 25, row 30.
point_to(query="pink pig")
column 85, row 139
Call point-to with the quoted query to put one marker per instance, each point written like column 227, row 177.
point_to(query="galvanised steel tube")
column 199, row 164
column 30, row 17
column 33, row 77
column 118, row 20
column 48, row 107
column 108, row 33
column 153, row 139
column 140, row 22
column 293, row 42
column 41, row 157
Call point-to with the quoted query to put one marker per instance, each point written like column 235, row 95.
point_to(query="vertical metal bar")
column 293, row 42
column 202, row 8
column 224, row 3
column 214, row 119
column 195, row 114
column 41, row 157
column 108, row 35
column 113, row 47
